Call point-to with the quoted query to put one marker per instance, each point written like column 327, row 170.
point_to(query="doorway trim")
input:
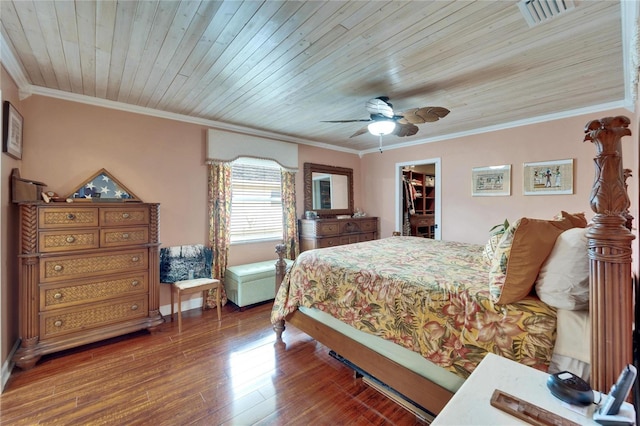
column 398, row 203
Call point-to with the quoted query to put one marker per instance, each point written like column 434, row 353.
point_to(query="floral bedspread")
column 429, row 296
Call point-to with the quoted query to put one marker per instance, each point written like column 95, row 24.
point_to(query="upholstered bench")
column 251, row 283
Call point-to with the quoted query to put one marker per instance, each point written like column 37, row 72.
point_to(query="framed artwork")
column 491, row 181
column 12, row 131
column 548, row 177
column 102, row 187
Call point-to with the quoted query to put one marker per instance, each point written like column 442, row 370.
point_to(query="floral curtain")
column 219, row 201
column 289, row 220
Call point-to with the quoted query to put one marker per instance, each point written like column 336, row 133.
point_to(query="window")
column 256, row 201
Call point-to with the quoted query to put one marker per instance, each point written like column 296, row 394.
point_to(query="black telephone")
column 610, row 413
column 570, row 388
column 619, row 391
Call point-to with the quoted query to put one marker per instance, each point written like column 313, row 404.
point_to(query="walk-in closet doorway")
column 418, row 198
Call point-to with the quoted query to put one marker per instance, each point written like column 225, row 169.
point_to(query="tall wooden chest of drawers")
column 320, row 233
column 88, row 271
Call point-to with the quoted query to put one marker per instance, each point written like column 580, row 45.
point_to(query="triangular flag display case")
column 103, row 187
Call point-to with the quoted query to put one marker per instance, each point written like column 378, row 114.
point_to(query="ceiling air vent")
column 538, row 11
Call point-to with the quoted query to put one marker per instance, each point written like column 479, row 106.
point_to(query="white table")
column 471, row 403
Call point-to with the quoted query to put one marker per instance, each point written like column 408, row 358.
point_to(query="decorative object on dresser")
column 25, row 189
column 88, row 272
column 321, row 233
column 102, row 186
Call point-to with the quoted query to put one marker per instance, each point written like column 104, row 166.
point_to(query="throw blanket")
column 429, row 296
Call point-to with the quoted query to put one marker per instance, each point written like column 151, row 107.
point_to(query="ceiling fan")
column 384, row 121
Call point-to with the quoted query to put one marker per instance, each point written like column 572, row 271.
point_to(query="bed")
column 418, row 314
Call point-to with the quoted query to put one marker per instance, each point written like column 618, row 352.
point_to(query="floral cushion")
column 491, row 246
column 520, row 253
column 495, row 234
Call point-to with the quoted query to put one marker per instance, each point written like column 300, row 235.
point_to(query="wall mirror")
column 328, row 190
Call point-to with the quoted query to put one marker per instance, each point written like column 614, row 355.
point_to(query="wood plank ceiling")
column 284, row 66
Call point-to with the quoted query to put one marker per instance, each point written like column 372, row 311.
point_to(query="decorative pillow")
column 520, row 253
column 578, row 220
column 563, row 281
column 495, row 234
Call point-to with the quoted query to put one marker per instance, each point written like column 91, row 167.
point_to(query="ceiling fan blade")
column 424, row 114
column 380, row 106
column 346, row 121
column 405, row 129
column 360, row 132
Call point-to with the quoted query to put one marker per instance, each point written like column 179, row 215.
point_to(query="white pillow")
column 563, row 280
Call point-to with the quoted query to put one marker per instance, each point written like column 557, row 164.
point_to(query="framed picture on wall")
column 11, row 131
column 548, row 177
column 491, row 181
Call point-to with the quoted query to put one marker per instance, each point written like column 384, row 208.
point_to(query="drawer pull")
column 70, row 239
column 57, row 268
column 58, row 323
column 135, row 259
column 125, row 236
column 57, row 296
column 71, row 216
column 134, row 307
column 125, row 215
column 135, row 283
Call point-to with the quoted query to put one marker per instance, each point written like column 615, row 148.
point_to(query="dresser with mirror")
column 328, row 194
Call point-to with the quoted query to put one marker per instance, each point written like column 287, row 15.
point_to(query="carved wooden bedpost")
column 611, row 293
column 281, row 269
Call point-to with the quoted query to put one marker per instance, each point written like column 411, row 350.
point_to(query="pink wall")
column 9, row 238
column 467, row 218
column 158, row 160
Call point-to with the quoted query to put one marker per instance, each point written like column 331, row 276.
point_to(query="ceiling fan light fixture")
column 381, row 127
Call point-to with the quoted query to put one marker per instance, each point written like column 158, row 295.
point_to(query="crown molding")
column 136, row 109
column 631, row 49
column 13, row 66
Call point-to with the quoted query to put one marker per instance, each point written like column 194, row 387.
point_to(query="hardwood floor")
column 228, row 372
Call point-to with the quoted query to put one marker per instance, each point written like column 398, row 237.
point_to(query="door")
column 418, row 195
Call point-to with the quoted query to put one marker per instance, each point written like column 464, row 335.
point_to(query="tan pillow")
column 563, row 281
column 521, row 252
column 578, row 220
